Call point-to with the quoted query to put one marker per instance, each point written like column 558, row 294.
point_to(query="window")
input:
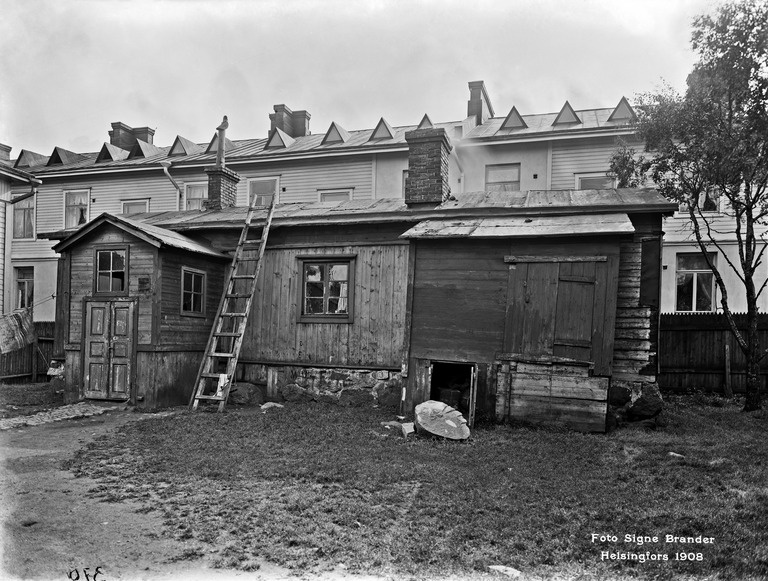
column 111, row 271
column 192, row 291
column 335, row 195
column 194, row 194
column 262, row 190
column 502, row 178
column 135, row 206
column 327, row 289
column 405, row 180
column 76, row 208
column 695, row 283
column 594, row 181
column 25, row 286
column 24, row 217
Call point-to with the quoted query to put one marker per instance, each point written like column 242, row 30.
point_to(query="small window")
column 695, row 283
column 192, row 291
column 25, row 286
column 76, row 208
column 327, row 289
column 594, row 181
column 194, row 194
column 111, row 271
column 24, row 217
column 335, row 195
column 502, row 178
column 135, row 206
column 262, row 190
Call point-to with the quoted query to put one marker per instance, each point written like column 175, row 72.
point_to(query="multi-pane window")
column 24, row 218
column 262, row 190
column 335, row 195
column 75, row 208
column 135, row 206
column 502, row 178
column 111, row 271
column 25, row 286
column 194, row 194
column 695, row 283
column 192, row 291
column 326, row 289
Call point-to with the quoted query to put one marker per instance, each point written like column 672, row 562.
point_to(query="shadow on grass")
column 311, row 486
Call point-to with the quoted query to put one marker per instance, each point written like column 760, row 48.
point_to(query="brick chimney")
column 294, row 123
column 124, row 136
column 427, row 181
column 5, row 152
column 479, row 105
column 144, row 134
column 222, row 188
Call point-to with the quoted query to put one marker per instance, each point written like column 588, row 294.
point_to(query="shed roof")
column 149, row 233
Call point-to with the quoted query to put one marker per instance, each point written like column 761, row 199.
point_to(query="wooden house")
column 510, row 305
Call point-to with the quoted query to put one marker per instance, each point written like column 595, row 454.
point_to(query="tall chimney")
column 294, row 123
column 427, row 180
column 144, row 133
column 222, row 181
column 5, row 152
column 479, row 105
column 300, row 123
column 122, row 136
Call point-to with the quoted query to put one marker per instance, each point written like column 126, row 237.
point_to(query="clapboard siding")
column 141, row 263
column 373, row 339
column 178, row 329
column 579, row 156
column 301, row 182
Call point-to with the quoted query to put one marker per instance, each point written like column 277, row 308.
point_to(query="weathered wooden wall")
column 30, row 362
column 692, row 353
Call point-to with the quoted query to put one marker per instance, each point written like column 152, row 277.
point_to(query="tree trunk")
column 752, row 400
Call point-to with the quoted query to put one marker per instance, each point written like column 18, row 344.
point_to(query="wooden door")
column 109, row 349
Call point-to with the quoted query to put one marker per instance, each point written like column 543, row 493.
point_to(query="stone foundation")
column 349, row 387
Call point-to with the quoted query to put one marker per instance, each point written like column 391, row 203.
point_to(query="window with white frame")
column 262, row 190
column 25, row 286
column 502, row 177
column 24, row 216
column 134, row 206
column 695, row 283
column 76, row 208
column 194, row 195
column 192, row 291
column 594, row 181
column 338, row 195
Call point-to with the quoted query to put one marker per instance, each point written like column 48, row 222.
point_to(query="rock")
column 356, row 398
column 676, row 455
column 382, row 375
column 508, row 571
column 247, row 394
column 408, row 428
column 292, row 392
column 647, row 406
column 389, row 425
column 271, row 405
column 439, row 419
column 619, row 395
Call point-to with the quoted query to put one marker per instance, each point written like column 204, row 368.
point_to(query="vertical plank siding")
column 374, row 338
column 30, row 362
column 692, row 353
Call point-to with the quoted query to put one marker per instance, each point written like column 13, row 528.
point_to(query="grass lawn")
column 311, row 486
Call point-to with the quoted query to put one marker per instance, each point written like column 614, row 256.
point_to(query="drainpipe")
column 166, row 166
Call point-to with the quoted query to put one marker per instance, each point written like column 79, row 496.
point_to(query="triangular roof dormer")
column 111, row 152
column 514, row 120
column 29, row 159
column 61, row 156
column 143, row 149
column 623, row 113
column 183, row 146
column 214, row 144
column 425, row 123
column 566, row 115
column 279, row 139
column 335, row 134
column 383, row 130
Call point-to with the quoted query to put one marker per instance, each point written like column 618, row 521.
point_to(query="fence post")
column 727, row 388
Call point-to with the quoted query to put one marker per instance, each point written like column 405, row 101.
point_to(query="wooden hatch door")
column 109, row 348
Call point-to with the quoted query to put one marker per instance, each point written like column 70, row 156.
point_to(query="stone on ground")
column 440, row 419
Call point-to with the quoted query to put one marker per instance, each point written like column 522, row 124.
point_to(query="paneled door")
column 109, row 349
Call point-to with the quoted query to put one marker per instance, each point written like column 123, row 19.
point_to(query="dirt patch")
column 24, row 399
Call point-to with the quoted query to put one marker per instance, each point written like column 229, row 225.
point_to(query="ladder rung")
column 243, row 276
column 223, row 334
column 212, row 375
column 238, row 295
column 249, row 242
column 213, row 397
column 234, row 315
column 221, row 355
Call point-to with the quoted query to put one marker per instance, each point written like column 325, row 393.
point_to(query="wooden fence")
column 31, row 362
column 697, row 352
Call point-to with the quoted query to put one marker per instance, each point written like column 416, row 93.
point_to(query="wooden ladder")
column 217, row 369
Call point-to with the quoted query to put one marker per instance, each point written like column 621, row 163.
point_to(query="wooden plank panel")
column 540, row 302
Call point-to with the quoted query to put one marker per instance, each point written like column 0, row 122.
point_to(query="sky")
column 69, row 68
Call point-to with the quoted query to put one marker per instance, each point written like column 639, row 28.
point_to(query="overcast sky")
column 69, row 68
